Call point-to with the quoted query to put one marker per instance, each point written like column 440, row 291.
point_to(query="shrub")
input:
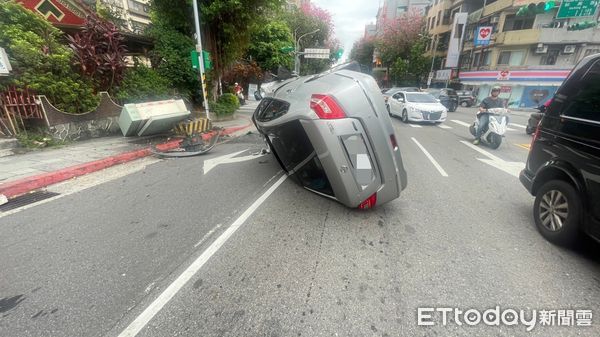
column 140, row 84
column 225, row 105
column 230, row 100
column 40, row 62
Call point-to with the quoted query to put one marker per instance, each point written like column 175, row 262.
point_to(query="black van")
column 563, row 167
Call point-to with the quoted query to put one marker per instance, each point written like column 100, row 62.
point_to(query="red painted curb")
column 19, row 187
column 22, row 186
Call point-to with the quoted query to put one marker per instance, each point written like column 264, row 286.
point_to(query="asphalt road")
column 109, row 260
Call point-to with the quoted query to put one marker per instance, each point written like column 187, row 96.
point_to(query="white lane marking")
column 414, row 126
column 140, row 322
column 430, row 157
column 209, row 164
column 444, row 126
column 84, row 182
column 461, row 123
column 510, row 167
column 517, row 125
column 509, row 129
column 207, row 235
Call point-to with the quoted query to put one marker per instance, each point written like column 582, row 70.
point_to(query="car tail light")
column 536, row 135
column 369, row 202
column 326, row 107
column 394, row 142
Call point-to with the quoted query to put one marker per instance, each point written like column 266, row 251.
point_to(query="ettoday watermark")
column 508, row 317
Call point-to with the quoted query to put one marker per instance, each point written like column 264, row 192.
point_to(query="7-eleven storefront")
column 521, row 88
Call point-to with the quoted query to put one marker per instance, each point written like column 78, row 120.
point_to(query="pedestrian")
column 491, row 102
column 239, row 92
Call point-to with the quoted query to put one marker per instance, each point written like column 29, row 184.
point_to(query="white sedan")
column 417, row 107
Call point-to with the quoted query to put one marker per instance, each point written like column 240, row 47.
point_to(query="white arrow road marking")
column 414, row 126
column 209, row 164
column 430, row 157
column 444, row 126
column 510, row 167
column 461, row 123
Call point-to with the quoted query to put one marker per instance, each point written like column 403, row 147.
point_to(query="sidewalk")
column 25, row 172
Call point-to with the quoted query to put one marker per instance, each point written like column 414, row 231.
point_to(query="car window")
column 396, row 95
column 420, row 98
column 450, row 92
column 435, row 93
column 584, row 103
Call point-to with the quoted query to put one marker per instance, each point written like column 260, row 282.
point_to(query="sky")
column 350, row 18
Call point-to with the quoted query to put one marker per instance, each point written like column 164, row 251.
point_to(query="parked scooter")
column 496, row 127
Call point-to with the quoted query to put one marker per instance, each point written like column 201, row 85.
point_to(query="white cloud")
column 350, row 18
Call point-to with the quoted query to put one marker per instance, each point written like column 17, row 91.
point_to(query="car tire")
column 566, row 222
column 404, row 116
column 464, row 104
column 453, row 107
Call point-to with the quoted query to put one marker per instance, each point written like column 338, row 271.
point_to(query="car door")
column 572, row 130
column 395, row 104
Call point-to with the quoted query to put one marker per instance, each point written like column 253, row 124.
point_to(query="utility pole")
column 199, row 50
column 434, row 50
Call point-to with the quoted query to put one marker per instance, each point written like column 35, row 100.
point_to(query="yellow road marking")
column 525, row 146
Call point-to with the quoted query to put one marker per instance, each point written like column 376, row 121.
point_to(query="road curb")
column 23, row 186
column 19, row 187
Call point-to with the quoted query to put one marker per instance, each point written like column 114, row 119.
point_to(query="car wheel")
column 453, row 107
column 464, row 104
column 557, row 212
column 494, row 140
column 404, row 116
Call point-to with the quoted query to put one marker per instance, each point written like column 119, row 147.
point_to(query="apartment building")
column 527, row 55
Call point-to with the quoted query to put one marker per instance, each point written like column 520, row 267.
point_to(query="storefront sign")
column 503, row 75
column 483, row 35
column 443, row 75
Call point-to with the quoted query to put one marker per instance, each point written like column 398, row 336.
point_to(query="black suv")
column 563, row 167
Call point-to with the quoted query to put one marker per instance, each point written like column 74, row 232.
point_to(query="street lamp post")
column 201, row 58
column 433, row 51
column 297, row 53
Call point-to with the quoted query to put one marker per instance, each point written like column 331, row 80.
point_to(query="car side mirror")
column 400, row 99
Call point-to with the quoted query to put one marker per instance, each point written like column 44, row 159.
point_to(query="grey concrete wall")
column 80, row 130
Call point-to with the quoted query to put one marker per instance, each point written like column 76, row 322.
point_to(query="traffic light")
column 336, row 55
column 534, row 9
column 582, row 25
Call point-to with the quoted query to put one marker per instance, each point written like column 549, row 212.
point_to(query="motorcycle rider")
column 491, row 102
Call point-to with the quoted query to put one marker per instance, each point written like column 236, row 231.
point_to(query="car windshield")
column 420, row 98
column 434, row 92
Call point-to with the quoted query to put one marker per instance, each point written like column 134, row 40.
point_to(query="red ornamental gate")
column 16, row 106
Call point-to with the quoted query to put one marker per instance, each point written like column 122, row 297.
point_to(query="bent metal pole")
column 201, row 58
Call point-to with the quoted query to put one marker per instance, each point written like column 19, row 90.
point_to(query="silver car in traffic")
column 331, row 132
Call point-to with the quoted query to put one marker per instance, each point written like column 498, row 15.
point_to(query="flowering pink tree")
column 399, row 35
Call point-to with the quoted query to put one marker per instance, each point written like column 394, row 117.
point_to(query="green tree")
column 40, row 62
column 362, row 51
column 141, row 84
column 266, row 44
column 308, row 19
column 172, row 32
column 414, row 68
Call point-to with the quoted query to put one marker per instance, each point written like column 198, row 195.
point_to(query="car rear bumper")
column 354, row 167
column 526, row 179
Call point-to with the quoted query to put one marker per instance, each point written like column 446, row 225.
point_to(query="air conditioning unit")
column 569, row 49
column 494, row 19
column 541, row 49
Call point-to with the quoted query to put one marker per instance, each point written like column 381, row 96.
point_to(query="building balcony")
column 519, row 37
column 441, row 29
column 496, row 7
column 563, row 36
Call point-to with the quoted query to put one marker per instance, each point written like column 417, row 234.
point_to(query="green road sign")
column 577, row 8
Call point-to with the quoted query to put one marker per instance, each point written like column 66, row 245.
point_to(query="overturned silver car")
column 331, row 132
